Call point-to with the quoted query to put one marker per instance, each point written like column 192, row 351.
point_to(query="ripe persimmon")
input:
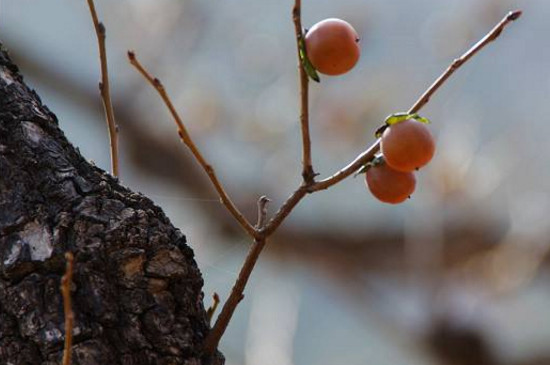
column 389, row 185
column 332, row 46
column 407, row 145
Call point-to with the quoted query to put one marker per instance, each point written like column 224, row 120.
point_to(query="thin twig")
column 262, row 211
column 368, row 155
column 285, row 210
column 491, row 36
column 66, row 281
column 186, row 139
column 105, row 90
column 212, row 309
column 236, row 295
column 307, row 170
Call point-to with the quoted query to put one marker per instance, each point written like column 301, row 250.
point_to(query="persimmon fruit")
column 407, row 145
column 332, row 46
column 389, row 185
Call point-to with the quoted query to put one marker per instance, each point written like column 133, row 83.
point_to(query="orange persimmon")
column 389, row 185
column 332, row 46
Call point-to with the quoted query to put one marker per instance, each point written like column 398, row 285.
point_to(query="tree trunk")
column 136, row 288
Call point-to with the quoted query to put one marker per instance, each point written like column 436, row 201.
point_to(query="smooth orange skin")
column 388, row 185
column 407, row 146
column 332, row 46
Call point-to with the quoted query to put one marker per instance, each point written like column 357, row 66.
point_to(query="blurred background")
column 459, row 274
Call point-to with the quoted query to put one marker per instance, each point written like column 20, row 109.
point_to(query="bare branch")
column 491, row 36
column 105, row 90
column 236, row 295
column 284, row 210
column 307, row 170
column 186, row 139
column 212, row 309
column 66, row 281
column 309, row 186
column 263, row 230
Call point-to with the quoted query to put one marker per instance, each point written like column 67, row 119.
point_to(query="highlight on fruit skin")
column 332, row 46
column 407, row 145
column 389, row 185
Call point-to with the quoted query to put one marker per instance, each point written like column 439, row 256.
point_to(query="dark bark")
column 137, row 289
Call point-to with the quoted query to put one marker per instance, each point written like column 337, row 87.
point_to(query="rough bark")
column 137, row 289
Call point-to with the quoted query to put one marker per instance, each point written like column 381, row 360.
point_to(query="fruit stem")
column 307, row 167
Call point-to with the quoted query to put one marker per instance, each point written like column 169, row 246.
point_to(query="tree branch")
column 261, row 232
column 236, row 295
column 105, row 90
column 489, row 37
column 368, row 155
column 307, row 170
column 186, row 139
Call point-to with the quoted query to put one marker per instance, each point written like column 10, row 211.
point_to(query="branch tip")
column 514, row 15
column 264, row 199
column 104, row 89
column 262, row 212
column 212, row 309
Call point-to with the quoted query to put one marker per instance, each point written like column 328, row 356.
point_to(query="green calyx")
column 377, row 160
column 398, row 118
column 306, row 63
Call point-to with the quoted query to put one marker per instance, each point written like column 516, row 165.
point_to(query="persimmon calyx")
column 306, row 63
column 398, row 118
column 377, row 160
